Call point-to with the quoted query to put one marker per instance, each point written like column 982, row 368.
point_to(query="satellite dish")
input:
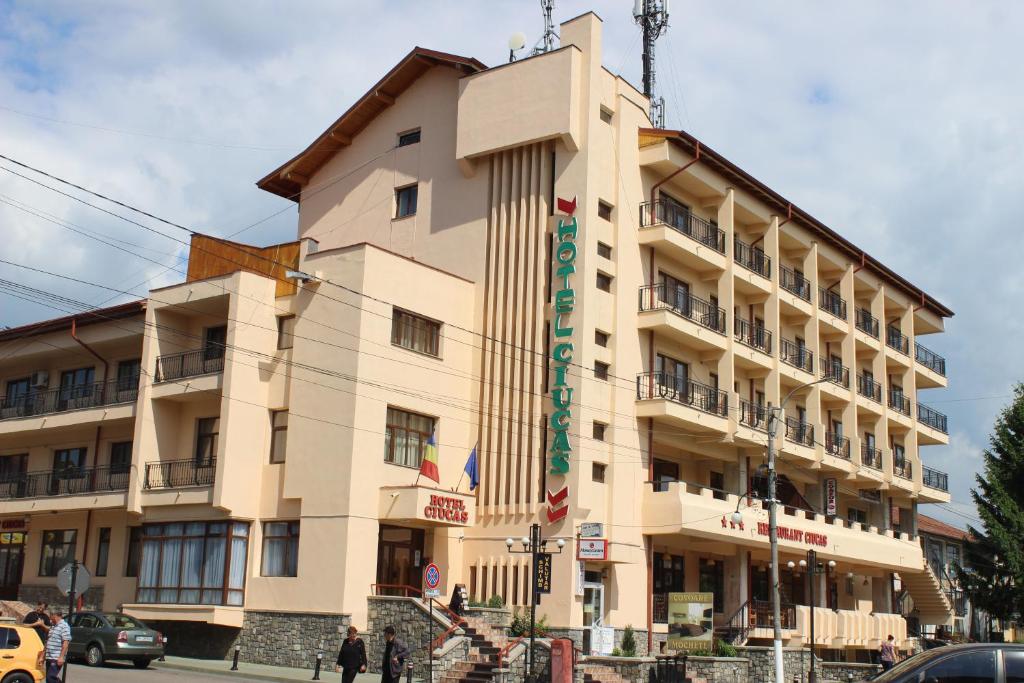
column 517, row 41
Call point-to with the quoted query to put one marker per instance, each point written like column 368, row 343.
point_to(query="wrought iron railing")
column 752, row 258
column 753, row 415
column 895, row 339
column 656, row 385
column 64, row 482
column 870, row 457
column 931, row 417
column 899, row 402
column 837, row 445
column 796, row 355
column 867, row 386
column 799, row 432
column 763, row 616
column 682, row 219
column 930, row 359
column 49, row 401
column 835, row 372
column 902, row 468
column 866, row 322
column 831, row 302
column 174, row 474
column 189, row 364
column 934, row 479
column 753, row 335
column 662, row 297
column 794, row 283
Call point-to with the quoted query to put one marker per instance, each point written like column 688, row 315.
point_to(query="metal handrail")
column 753, row 415
column 661, row 297
column 793, row 354
column 870, row 388
column 655, row 385
column 837, row 445
column 899, row 402
column 931, row 417
column 934, row 479
column 866, row 322
column 65, row 482
column 61, row 399
column 836, row 373
column 794, row 283
column 406, row 589
column 799, row 432
column 189, row 364
column 831, row 302
column 902, row 468
column 762, row 616
column 682, row 220
column 173, row 474
column 752, row 258
column 930, row 359
column 870, row 457
column 895, row 339
column 752, row 335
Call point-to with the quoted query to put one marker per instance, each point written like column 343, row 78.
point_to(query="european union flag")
column 473, row 470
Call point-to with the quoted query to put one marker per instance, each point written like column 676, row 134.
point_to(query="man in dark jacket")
column 352, row 657
column 395, row 654
column 39, row 620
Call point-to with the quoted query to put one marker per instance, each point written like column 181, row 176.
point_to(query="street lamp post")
column 534, row 546
column 813, row 567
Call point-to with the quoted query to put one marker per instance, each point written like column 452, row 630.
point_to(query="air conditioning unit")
column 40, row 379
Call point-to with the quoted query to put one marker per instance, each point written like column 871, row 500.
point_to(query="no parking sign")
column 431, row 581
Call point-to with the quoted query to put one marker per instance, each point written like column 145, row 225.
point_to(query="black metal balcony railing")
column 870, row 457
column 930, row 359
column 799, row 432
column 867, row 386
column 753, row 415
column 836, row 373
column 683, row 220
column 837, row 445
column 934, row 479
column 794, row 283
column 189, row 364
column 796, row 355
column 831, row 302
column 67, row 482
column 662, row 297
column 895, row 339
column 866, row 322
column 931, row 417
column 902, row 469
column 752, row 335
column 655, row 385
column 763, row 616
column 899, row 402
column 51, row 401
column 174, row 474
column 752, row 258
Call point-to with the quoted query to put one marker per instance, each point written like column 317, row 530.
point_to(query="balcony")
column 901, row 467
column 799, row 432
column 796, row 355
column 752, row 258
column 934, row 479
column 51, row 401
column 661, row 385
column 930, row 359
column 870, row 457
column 866, row 322
column 678, row 233
column 177, row 474
column 837, row 445
column 831, row 302
column 899, row 402
column 752, row 335
column 895, row 339
column 189, row 364
column 753, row 415
column 70, row 482
column 835, row 372
column 682, row 317
column 931, row 417
column 683, row 221
column 795, row 283
column 869, row 388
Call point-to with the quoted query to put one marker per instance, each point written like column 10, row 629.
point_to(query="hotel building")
column 512, row 259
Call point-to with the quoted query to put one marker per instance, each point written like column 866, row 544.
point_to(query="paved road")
column 115, row 672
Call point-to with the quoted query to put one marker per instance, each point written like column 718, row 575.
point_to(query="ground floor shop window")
column 193, row 563
column 669, row 577
column 57, row 550
column 712, row 580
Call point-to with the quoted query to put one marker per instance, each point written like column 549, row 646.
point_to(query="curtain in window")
column 192, row 565
column 149, row 571
column 213, row 571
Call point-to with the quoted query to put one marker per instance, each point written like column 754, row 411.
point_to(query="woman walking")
column 352, row 657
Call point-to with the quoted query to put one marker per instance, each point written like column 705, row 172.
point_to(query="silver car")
column 101, row 636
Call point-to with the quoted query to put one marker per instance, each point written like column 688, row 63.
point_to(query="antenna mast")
column 547, row 41
column 652, row 15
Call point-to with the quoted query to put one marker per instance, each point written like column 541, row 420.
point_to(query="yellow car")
column 21, row 654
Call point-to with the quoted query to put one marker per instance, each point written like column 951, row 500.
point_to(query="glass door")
column 399, row 560
column 593, row 617
column 12, row 557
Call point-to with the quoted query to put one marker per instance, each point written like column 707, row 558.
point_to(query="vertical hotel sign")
column 563, row 302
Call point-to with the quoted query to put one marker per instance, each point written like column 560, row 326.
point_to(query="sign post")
column 72, row 580
column 431, row 581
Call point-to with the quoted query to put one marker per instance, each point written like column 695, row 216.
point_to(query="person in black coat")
column 456, row 605
column 395, row 655
column 352, row 657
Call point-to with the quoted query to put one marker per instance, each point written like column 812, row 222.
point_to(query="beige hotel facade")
column 244, row 445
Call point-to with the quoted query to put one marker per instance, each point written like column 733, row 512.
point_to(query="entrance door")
column 593, row 616
column 399, row 559
column 12, row 557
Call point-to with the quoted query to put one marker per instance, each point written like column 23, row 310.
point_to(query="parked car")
column 21, row 654
column 101, row 636
column 973, row 663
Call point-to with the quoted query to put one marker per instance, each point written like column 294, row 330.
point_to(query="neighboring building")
column 287, row 394
column 944, row 550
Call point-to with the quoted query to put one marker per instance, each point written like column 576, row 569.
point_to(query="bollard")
column 319, row 661
column 234, row 660
column 408, row 673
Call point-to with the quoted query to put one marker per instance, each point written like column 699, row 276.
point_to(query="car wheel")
column 94, row 655
column 18, row 678
column 141, row 663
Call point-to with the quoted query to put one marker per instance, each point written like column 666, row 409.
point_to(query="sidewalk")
column 258, row 672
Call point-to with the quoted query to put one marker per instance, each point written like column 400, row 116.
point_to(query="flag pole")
column 461, row 477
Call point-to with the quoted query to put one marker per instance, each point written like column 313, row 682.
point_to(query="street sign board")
column 543, row 579
column 82, row 579
column 592, row 549
column 591, row 530
column 431, row 581
column 831, row 487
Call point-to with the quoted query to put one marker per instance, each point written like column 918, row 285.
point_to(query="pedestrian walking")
column 57, row 643
column 457, row 605
column 351, row 657
column 395, row 654
column 39, row 620
column 888, row 653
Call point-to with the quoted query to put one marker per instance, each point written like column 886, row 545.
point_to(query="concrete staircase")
column 486, row 642
column 930, row 600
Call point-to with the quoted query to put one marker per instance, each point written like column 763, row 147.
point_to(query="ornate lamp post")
column 535, row 546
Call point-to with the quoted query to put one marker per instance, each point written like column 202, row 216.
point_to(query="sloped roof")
column 288, row 179
column 930, row 525
column 99, row 315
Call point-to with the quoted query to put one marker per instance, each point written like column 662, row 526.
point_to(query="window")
column 604, row 210
column 215, row 339
column 856, row 516
column 604, row 282
column 280, row 549
column 598, row 472
column 207, row 430
column 9, row 639
column 406, row 437
column 669, row 577
column 599, row 430
column 278, row 435
column 131, row 565
column 57, row 550
column 965, row 667
column 193, row 563
column 103, row 551
column 604, row 251
column 128, row 372
column 285, row 331
column 13, row 467
column 606, row 115
column 69, row 462
column 601, row 338
column 712, row 580
column 405, row 201
column 601, row 370
column 672, row 374
column 409, row 138
column 120, row 457
column 415, row 332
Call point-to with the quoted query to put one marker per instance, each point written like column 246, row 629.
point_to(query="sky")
column 897, row 124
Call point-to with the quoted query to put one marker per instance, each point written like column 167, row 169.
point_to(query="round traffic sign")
column 82, row 579
column 432, row 576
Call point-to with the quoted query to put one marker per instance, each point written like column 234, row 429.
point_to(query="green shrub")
column 628, row 642
column 520, row 625
column 496, row 602
column 617, row 652
column 724, row 649
column 477, row 603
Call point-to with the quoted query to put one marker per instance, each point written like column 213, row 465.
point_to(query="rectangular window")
column 604, row 210
column 405, row 201
column 601, row 338
column 601, row 370
column 285, row 331
column 599, row 430
column 131, row 564
column 69, row 462
column 13, row 467
column 669, row 577
column 120, row 457
column 409, row 138
column 128, row 372
column 280, row 549
column 215, row 341
column 278, row 435
column 405, row 438
column 207, row 430
column 58, row 548
column 604, row 251
column 415, row 332
column 599, row 472
column 103, row 551
column 193, row 563
column 606, row 115
column 712, row 580
column 604, row 282
column 857, row 516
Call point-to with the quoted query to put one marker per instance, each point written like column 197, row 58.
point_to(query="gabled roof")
column 750, row 184
column 99, row 315
column 930, row 525
column 287, row 181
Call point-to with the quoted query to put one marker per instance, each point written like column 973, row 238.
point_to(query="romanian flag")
column 428, row 468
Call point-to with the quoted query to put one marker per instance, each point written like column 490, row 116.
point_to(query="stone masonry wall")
column 292, row 638
column 454, row 651
column 28, row 593
column 517, row 662
column 840, row 672
column 414, row 626
column 501, row 618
